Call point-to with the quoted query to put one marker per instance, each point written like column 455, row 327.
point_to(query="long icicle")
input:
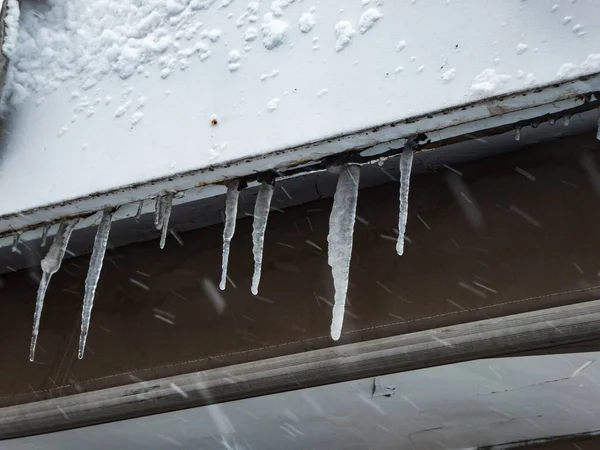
column 406, row 160
column 93, row 275
column 50, row 265
column 341, row 230
column 165, row 213
column 158, row 219
column 261, row 214
column 231, row 206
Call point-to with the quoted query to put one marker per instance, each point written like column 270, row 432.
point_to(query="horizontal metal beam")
column 508, row 335
column 463, row 122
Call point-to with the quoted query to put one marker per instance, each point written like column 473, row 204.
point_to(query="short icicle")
column 165, row 213
column 50, row 265
column 138, row 214
column 406, row 160
column 45, row 235
column 261, row 214
column 231, row 206
column 341, row 230
column 93, row 275
column 16, row 240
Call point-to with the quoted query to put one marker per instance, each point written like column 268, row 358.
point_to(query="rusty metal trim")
column 296, row 156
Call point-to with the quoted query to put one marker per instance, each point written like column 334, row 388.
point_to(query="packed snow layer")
column 127, row 90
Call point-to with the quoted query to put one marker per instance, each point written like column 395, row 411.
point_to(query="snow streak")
column 93, row 275
column 231, row 206
column 50, row 265
column 341, row 230
column 261, row 214
column 406, row 160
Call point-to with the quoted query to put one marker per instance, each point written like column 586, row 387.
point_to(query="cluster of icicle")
column 52, row 262
column 341, row 230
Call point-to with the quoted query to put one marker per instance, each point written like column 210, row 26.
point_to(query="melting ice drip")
column 261, row 214
column 341, row 230
column 93, row 275
column 231, row 206
column 50, row 265
column 406, row 160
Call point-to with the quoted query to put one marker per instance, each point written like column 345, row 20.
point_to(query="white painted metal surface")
column 460, row 406
column 481, row 48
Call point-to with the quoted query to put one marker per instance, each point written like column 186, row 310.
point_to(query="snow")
column 273, row 30
column 11, row 27
column 368, row 19
column 231, row 205
column 448, row 75
column 341, row 230
column 234, row 60
column 214, row 295
column 306, row 22
column 521, row 48
column 591, row 64
column 273, row 104
column 344, row 33
column 406, row 160
column 93, row 275
column 50, row 265
column 261, row 214
column 488, row 83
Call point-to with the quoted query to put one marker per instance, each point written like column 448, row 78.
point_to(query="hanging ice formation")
column 261, row 214
column 162, row 213
column 138, row 213
column 93, row 275
column 15, row 245
column 341, row 230
column 50, row 265
column 406, row 160
column 598, row 130
column 231, row 205
column 45, row 235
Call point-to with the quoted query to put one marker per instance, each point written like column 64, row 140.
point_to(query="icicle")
column 50, row 265
column 158, row 219
column 45, row 235
column 93, row 275
column 138, row 214
column 552, row 121
column 165, row 214
column 341, row 229
column 231, row 205
column 598, row 131
column 15, row 245
column 518, row 134
column 261, row 214
column 406, row 160
column 567, row 120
